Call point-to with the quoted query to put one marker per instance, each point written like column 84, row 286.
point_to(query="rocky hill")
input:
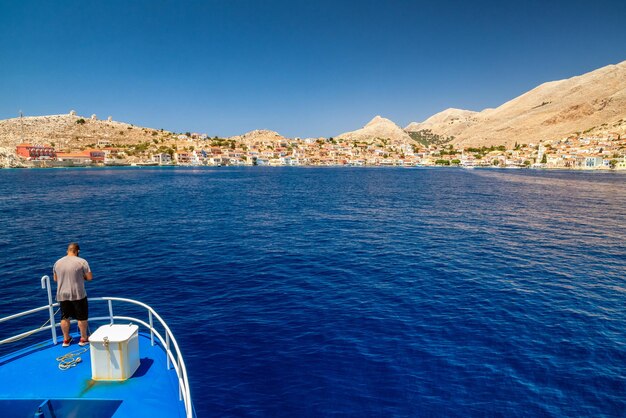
column 454, row 120
column 593, row 103
column 70, row 131
column 259, row 137
column 9, row 159
column 378, row 128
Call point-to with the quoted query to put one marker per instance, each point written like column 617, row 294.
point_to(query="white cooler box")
column 114, row 352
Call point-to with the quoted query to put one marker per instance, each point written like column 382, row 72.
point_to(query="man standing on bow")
column 70, row 273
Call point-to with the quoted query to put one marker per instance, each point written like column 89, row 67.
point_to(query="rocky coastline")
column 8, row 159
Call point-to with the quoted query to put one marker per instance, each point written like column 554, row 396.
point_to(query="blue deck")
column 32, row 376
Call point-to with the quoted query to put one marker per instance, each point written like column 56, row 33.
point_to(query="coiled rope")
column 71, row 359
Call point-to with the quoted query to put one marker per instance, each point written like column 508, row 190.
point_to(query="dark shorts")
column 77, row 309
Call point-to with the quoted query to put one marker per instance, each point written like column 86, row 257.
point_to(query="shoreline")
column 420, row 167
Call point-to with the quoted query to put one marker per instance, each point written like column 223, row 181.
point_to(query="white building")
column 162, row 158
column 593, row 162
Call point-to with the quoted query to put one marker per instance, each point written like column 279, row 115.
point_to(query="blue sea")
column 361, row 292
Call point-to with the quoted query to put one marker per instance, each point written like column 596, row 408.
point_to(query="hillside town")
column 577, row 123
column 266, row 148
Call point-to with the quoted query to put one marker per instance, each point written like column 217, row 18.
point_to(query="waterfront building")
column 593, row 162
column 182, row 157
column 162, row 158
column 78, row 158
column 237, row 161
column 466, row 160
column 555, row 161
column 194, row 159
column 96, row 155
column 83, row 157
column 35, row 152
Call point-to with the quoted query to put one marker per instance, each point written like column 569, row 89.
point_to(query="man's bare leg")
column 83, row 326
column 65, row 328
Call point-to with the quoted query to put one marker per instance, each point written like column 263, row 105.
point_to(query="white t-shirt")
column 70, row 272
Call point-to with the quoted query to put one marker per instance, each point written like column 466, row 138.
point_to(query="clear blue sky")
column 302, row 68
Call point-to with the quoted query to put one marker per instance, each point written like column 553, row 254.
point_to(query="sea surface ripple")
column 350, row 292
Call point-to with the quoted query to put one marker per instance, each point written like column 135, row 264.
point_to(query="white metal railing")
column 168, row 342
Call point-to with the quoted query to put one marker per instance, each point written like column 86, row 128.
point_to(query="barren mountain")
column 454, row 120
column 592, row 102
column 378, row 128
column 71, row 131
column 259, row 136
